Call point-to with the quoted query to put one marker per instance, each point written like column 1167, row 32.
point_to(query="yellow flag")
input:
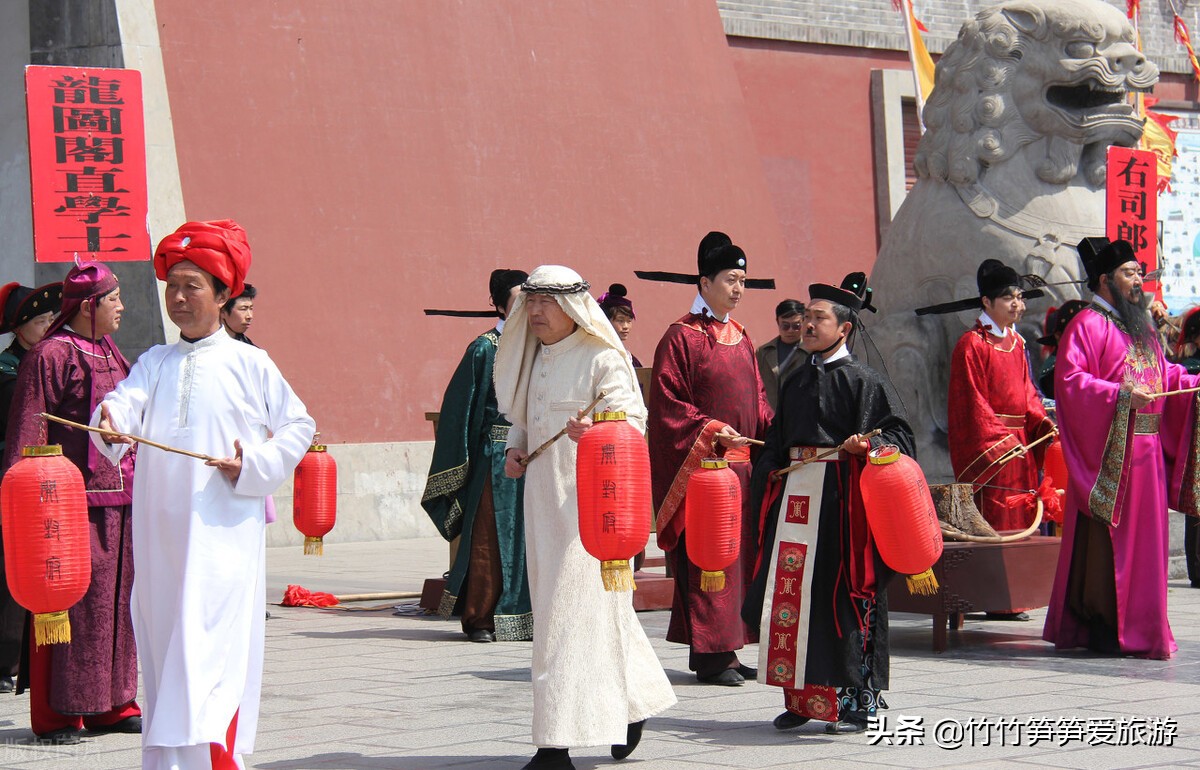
column 922, row 62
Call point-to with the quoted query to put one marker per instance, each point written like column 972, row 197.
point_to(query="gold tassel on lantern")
column 617, row 575
column 314, row 546
column 712, row 581
column 51, row 628
column 924, row 584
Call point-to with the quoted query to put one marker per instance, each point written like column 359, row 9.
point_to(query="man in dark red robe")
column 92, row 680
column 994, row 410
column 706, row 397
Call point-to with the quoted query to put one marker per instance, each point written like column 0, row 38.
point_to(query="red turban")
column 218, row 248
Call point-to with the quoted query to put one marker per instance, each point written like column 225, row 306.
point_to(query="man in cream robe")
column 595, row 676
column 199, row 537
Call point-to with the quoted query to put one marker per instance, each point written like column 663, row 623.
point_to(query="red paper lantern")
column 314, row 497
column 1055, row 464
column 902, row 516
column 612, row 473
column 47, row 548
column 713, row 511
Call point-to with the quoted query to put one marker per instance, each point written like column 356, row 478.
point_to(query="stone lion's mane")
column 971, row 119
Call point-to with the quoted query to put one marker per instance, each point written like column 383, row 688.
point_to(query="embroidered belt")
column 500, row 432
column 739, row 454
column 1011, row 421
column 1146, row 424
column 809, row 452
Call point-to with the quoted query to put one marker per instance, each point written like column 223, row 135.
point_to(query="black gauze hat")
column 715, row 260
column 834, row 294
column 713, row 240
column 1101, row 256
column 993, row 277
column 715, row 253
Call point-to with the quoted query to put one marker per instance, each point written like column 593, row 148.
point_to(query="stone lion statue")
column 1025, row 103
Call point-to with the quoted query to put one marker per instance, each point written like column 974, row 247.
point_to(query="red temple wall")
column 387, row 160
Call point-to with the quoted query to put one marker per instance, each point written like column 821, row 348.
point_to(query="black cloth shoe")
column 727, row 678
column 6, row 684
column 63, row 736
column 550, row 759
column 749, row 674
column 845, row 727
column 482, row 635
column 789, row 721
column 633, row 736
column 131, row 724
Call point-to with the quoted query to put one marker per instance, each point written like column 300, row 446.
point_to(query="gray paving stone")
column 367, row 690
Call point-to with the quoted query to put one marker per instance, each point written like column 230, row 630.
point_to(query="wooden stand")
column 654, row 589
column 982, row 577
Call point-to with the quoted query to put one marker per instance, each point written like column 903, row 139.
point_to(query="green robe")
column 470, row 442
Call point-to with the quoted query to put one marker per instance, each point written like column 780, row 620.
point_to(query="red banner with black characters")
column 1132, row 205
column 87, row 162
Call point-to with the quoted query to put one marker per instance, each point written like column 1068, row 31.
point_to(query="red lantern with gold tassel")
column 713, row 510
column 902, row 516
column 612, row 473
column 47, row 548
column 314, row 497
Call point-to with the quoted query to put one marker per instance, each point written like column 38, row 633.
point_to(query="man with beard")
column 819, row 595
column 1130, row 452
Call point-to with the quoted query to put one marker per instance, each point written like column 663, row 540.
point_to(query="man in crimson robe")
column 994, row 409
column 467, row 494
column 1130, row 452
column 706, row 397
column 92, row 681
column 819, row 595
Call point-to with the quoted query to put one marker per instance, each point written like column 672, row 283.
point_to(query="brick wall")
column 876, row 24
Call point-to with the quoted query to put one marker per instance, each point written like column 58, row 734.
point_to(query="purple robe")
column 68, row 375
column 1110, row 589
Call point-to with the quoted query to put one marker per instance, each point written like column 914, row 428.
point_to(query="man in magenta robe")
column 706, row 396
column 1129, row 454
column 994, row 409
column 92, row 680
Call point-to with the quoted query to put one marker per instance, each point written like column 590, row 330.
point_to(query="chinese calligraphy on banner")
column 87, row 159
column 1132, row 205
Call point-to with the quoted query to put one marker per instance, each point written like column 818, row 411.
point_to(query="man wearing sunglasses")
column 775, row 358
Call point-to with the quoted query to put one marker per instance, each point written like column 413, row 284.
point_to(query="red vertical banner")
column 1131, row 211
column 87, row 161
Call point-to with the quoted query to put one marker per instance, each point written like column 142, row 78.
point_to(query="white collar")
column 500, row 326
column 840, row 353
column 992, row 326
column 700, row 307
column 1102, row 302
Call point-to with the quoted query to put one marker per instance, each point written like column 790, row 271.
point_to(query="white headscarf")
column 519, row 345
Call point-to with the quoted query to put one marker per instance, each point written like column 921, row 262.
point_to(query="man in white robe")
column 198, row 530
column 595, row 676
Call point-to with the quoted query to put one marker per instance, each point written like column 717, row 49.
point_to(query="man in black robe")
column 819, row 591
